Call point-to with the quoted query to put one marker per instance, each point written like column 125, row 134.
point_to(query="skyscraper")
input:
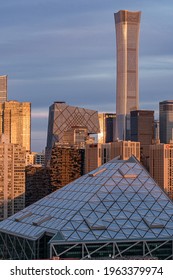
column 63, row 117
column 15, row 122
column 127, row 93
column 166, row 121
column 3, row 89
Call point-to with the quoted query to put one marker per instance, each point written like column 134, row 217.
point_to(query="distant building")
column 166, row 121
column 76, row 135
column 15, row 122
column 38, row 183
column 127, row 25
column 3, row 89
column 107, row 123
column 66, row 164
column 156, row 132
column 161, row 166
column 12, row 178
column 40, row 158
column 63, row 118
column 98, row 154
column 142, row 130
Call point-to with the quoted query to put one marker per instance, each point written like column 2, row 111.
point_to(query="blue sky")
column 64, row 50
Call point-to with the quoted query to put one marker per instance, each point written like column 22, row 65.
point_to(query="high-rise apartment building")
column 15, row 122
column 107, row 126
column 63, row 118
column 161, row 166
column 12, row 178
column 166, row 121
column 3, row 89
column 127, row 90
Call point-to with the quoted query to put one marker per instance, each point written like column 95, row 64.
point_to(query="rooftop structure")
column 117, row 210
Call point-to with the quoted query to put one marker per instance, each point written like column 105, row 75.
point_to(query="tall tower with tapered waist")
column 127, row 26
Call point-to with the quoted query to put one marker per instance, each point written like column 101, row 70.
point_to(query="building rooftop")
column 118, row 200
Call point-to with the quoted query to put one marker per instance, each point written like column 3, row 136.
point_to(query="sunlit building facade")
column 127, row 89
column 161, row 166
column 107, row 123
column 3, row 88
column 15, row 122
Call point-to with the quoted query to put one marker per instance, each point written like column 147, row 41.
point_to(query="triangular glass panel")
column 120, row 236
column 81, row 234
column 112, row 234
column 127, row 231
column 105, row 235
column 149, row 235
column 74, row 236
column 110, row 182
column 67, row 233
column 135, row 235
column 103, row 189
column 120, row 222
column 90, row 236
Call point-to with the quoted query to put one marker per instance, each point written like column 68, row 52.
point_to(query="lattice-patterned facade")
column 63, row 117
column 127, row 92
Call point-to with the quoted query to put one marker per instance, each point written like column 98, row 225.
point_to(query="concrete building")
column 116, row 211
column 62, row 118
column 12, row 178
column 127, row 89
column 166, row 121
column 107, row 123
column 3, row 89
column 161, row 166
column 15, row 122
column 98, row 154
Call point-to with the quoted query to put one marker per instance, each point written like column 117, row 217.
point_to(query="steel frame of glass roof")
column 161, row 249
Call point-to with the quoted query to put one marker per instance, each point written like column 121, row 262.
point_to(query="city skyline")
column 66, row 51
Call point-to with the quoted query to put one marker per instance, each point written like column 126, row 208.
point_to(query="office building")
column 166, row 121
column 127, row 89
column 3, row 89
column 107, row 123
column 115, row 211
column 98, row 154
column 142, row 130
column 12, row 178
column 161, row 166
column 15, row 122
column 63, row 117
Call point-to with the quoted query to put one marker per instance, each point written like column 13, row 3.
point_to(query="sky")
column 65, row 50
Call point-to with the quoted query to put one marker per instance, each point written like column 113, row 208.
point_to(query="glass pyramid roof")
column 117, row 201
